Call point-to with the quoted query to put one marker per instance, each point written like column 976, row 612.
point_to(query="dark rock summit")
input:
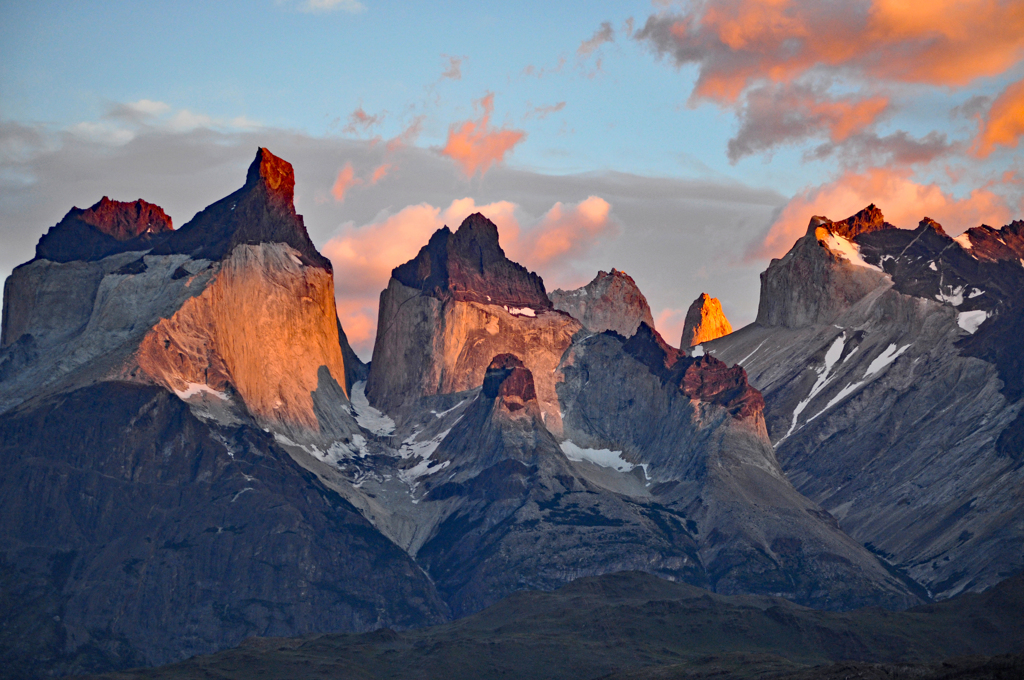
column 106, row 228
column 470, row 265
column 510, row 380
column 262, row 211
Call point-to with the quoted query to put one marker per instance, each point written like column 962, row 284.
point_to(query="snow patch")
column 970, row 321
column 367, row 416
column 954, row 297
column 888, row 356
column 442, row 414
column 520, row 311
column 848, row 250
column 744, row 359
column 195, row 389
column 931, row 265
column 697, row 351
column 975, row 292
column 831, row 357
column 964, row 240
column 601, row 457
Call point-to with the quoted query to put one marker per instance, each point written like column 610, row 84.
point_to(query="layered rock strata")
column 611, row 302
column 889, row 361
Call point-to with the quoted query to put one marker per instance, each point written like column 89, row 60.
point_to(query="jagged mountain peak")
column 705, row 321
column 929, row 223
column 273, row 174
column 611, row 302
column 262, row 211
column 124, row 220
column 470, row 265
column 704, row 378
column 105, row 228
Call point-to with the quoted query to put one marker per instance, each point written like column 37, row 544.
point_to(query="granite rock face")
column 705, row 321
column 890, row 367
column 611, row 302
column 162, row 401
column 448, row 312
column 696, row 429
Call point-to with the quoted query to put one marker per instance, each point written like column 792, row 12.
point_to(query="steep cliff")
column 163, row 396
column 890, row 365
column 705, row 321
column 611, row 302
column 453, row 308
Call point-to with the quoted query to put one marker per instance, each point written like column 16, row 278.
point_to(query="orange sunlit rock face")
column 705, row 321
column 264, row 326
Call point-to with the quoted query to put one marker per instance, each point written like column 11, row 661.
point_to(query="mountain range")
column 193, row 455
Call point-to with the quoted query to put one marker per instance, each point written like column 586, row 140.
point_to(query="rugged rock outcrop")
column 611, row 302
column 146, row 524
column 890, row 365
column 106, row 228
column 136, row 534
column 459, row 303
column 696, row 429
column 234, row 310
column 705, row 321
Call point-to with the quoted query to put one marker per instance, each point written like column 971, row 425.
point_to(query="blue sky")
column 585, row 90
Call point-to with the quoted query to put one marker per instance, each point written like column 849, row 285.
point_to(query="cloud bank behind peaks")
column 475, row 145
column 902, row 200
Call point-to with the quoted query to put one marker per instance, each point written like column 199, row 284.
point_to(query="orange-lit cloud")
column 779, row 114
column 475, row 145
column 363, row 256
column 360, row 120
column 380, row 172
column 736, row 43
column 346, row 180
column 563, row 233
column 903, row 202
column 1004, row 124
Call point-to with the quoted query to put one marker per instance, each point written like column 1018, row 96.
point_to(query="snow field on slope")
column 367, row 416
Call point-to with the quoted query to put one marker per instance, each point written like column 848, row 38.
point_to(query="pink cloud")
column 670, row 322
column 1004, row 123
column 903, row 201
column 736, row 43
column 361, row 120
column 542, row 112
column 454, row 69
column 363, row 256
column 475, row 145
column 380, row 172
column 346, row 180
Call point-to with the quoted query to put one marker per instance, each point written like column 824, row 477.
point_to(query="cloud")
column 903, row 201
column 605, row 34
column 564, row 233
column 1004, row 123
column 898, row 148
column 363, row 256
column 738, row 43
column 380, row 172
column 475, row 145
column 542, row 112
column 773, row 115
column 406, row 137
column 361, row 120
column 670, row 322
column 325, row 6
column 454, row 68
column 346, row 180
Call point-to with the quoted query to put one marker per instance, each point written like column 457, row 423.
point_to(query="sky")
column 684, row 143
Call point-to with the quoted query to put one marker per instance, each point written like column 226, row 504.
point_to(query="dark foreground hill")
column 633, row 625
